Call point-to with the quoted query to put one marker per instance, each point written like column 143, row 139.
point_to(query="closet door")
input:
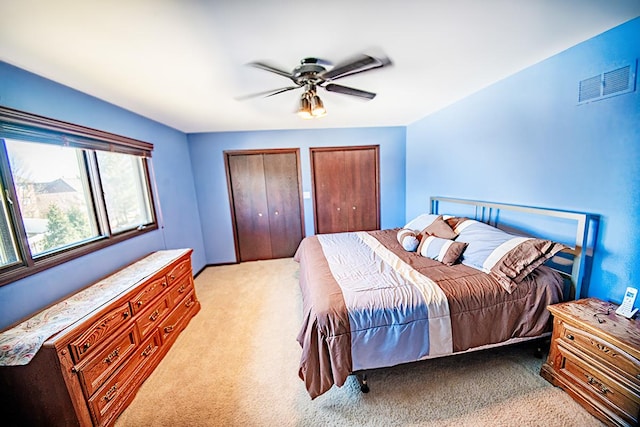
column 283, row 201
column 266, row 206
column 249, row 198
column 346, row 188
column 328, row 191
column 362, row 169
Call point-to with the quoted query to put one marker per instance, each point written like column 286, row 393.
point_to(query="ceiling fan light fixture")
column 317, row 107
column 305, row 111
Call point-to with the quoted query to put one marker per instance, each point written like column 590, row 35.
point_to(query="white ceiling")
column 182, row 62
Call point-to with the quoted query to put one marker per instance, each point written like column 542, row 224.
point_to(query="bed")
column 443, row 284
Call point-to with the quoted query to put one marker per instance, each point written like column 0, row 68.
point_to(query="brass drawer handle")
column 182, row 289
column 188, row 303
column 140, row 303
column 154, row 316
column 168, row 329
column 114, row 355
column 125, row 314
column 148, row 351
column 600, row 388
column 111, row 393
column 86, row 345
column 570, row 337
column 164, row 283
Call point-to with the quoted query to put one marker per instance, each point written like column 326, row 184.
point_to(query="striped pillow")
column 505, row 257
column 408, row 239
column 513, row 261
column 444, row 250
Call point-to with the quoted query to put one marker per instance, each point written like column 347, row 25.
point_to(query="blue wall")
column 211, row 182
column 176, row 192
column 525, row 140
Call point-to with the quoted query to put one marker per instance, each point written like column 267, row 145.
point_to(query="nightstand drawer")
column 599, row 386
column 617, row 359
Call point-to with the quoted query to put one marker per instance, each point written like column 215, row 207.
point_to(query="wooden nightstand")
column 595, row 357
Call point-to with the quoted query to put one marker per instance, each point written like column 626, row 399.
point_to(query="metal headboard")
column 488, row 212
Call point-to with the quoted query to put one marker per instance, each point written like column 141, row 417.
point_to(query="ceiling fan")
column 314, row 73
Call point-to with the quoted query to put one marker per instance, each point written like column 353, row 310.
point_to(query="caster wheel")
column 364, row 388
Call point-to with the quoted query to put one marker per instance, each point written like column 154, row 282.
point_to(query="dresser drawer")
column 154, row 288
column 99, row 331
column 180, row 290
column 175, row 322
column 182, row 268
column 152, row 317
column 97, row 368
column 617, row 359
column 108, row 401
column 599, row 386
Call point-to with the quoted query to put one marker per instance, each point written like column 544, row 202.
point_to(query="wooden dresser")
column 595, row 357
column 90, row 369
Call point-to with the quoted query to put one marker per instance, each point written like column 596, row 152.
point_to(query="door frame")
column 228, row 153
column 312, row 150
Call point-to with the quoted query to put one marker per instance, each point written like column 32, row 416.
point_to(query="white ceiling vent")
column 608, row 84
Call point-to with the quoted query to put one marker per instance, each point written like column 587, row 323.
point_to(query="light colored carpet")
column 236, row 364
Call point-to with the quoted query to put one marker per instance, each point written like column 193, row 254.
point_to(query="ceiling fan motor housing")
column 307, row 73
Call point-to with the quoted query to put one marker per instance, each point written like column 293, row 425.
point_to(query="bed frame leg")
column 542, row 348
column 362, row 380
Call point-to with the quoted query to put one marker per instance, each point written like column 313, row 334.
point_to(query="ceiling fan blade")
column 266, row 93
column 332, row 87
column 383, row 62
column 271, row 69
column 356, row 65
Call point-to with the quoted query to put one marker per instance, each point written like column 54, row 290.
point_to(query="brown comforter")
column 481, row 312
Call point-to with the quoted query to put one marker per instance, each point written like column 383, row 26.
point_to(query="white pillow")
column 421, row 222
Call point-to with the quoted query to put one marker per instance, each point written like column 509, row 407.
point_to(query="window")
column 52, row 191
column 8, row 247
column 67, row 191
column 125, row 190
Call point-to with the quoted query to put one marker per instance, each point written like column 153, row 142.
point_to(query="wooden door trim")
column 376, row 149
column 228, row 153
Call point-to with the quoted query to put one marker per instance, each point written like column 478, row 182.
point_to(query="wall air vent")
column 590, row 89
column 608, row 84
